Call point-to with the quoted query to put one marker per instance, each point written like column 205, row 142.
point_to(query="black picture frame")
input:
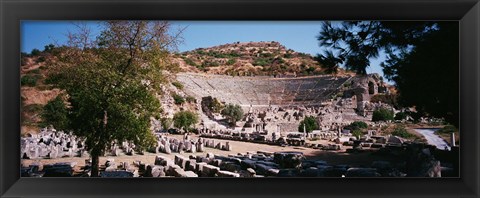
column 467, row 12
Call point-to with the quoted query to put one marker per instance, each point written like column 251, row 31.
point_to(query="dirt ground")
column 331, row 157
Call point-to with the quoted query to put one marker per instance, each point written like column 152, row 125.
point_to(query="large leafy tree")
column 184, row 120
column 233, row 113
column 112, row 82
column 427, row 76
column 309, row 123
column 354, row 43
column 422, row 59
column 329, row 62
column 55, row 113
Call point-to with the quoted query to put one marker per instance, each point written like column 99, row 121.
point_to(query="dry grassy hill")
column 250, row 58
column 35, row 93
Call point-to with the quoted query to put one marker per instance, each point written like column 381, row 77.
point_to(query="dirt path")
column 433, row 138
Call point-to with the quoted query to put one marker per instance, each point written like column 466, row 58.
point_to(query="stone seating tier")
column 247, row 91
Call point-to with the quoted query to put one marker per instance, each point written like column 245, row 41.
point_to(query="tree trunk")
column 95, row 153
column 95, row 162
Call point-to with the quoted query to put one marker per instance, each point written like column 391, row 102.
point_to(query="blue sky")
column 297, row 35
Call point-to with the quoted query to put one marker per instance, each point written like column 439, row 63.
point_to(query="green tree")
column 49, row 48
column 216, row 106
column 310, row 124
column 329, row 62
column 382, row 114
column 112, row 83
column 357, row 133
column 166, row 123
column 354, row 43
column 35, row 52
column 401, row 116
column 357, row 125
column 184, row 120
column 29, row 80
column 55, row 113
column 233, row 113
column 413, row 49
column 427, row 75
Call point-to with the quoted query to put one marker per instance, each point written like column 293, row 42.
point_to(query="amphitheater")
column 263, row 91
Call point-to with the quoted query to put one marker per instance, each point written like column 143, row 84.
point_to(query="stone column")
column 452, row 138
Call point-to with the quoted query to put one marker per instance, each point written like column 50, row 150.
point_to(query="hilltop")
column 249, row 58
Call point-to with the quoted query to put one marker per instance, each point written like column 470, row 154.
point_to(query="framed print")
column 239, row 98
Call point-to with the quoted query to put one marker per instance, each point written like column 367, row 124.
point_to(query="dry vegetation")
column 251, row 58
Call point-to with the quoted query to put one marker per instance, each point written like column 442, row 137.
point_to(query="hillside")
column 236, row 59
column 34, row 93
column 247, row 59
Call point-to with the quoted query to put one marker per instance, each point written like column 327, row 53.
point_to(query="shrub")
column 357, row 125
column 310, row 70
column 261, row 62
column 190, row 62
column 210, row 63
column 382, row 114
column 447, row 129
column 303, row 55
column 357, row 133
column 41, row 59
column 231, row 61
column 233, row 54
column 401, row 116
column 29, row 80
column 49, row 48
column 200, row 52
column 348, row 84
column 191, row 99
column 35, row 108
column 23, row 54
column 340, row 94
column 52, row 79
column 400, row 131
column 178, row 99
column 178, row 85
column 279, row 60
column 266, row 55
column 55, row 114
column 34, row 71
column 35, row 52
